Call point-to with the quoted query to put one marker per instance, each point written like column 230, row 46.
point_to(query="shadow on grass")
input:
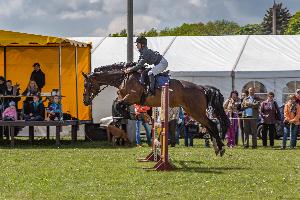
column 185, row 167
column 65, row 144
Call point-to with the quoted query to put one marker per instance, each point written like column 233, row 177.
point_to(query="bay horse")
column 196, row 100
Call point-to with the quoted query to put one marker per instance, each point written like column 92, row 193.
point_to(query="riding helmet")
column 142, row 40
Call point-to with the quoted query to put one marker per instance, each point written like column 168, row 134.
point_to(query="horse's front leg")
column 131, row 97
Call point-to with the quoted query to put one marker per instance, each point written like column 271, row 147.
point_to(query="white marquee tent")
column 269, row 63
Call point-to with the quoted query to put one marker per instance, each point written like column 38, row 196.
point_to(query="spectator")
column 32, row 89
column 206, row 137
column 36, row 110
column 173, row 121
column 142, row 118
column 241, row 114
column 268, row 111
column 188, row 134
column 38, row 76
column 298, row 102
column 231, row 109
column 2, row 85
column 250, row 105
column 291, row 119
column 12, row 91
column 180, row 124
column 10, row 113
column 54, row 109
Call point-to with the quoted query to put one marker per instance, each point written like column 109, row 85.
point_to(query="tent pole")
column 76, row 71
column 90, row 69
column 59, row 78
column 4, row 60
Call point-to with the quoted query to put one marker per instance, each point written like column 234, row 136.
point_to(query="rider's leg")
column 160, row 67
column 143, row 76
column 152, row 84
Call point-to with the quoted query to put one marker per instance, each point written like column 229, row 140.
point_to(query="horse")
column 196, row 100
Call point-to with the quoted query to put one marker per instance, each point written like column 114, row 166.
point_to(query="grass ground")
column 95, row 170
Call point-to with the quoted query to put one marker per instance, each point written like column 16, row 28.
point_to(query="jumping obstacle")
column 162, row 159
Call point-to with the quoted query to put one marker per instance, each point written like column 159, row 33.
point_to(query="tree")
column 250, row 29
column 294, row 25
column 123, row 33
column 282, row 18
column 221, row 27
column 151, row 33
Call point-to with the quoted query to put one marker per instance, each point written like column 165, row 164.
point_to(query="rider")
column 150, row 57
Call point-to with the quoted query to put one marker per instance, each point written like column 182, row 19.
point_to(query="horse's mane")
column 114, row 67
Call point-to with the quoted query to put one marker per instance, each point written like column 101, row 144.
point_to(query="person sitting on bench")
column 10, row 113
column 31, row 90
column 54, row 109
column 36, row 110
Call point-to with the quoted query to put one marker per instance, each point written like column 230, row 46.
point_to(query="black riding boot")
column 152, row 84
column 143, row 77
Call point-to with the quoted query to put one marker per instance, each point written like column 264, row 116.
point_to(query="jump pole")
column 164, row 164
column 152, row 156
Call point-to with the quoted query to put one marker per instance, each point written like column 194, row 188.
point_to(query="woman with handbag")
column 269, row 112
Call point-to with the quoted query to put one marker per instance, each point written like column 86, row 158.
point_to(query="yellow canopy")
column 18, row 52
column 11, row 38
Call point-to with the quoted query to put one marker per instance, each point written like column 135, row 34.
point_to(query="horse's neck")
column 114, row 80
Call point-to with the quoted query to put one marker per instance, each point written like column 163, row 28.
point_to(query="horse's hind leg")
column 214, row 133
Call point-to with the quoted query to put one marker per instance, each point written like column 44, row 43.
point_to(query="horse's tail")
column 215, row 101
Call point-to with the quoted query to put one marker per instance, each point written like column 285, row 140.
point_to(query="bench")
column 21, row 123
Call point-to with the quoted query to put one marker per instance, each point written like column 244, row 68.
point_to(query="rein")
column 115, row 80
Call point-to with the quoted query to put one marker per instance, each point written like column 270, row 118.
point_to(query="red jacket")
column 140, row 109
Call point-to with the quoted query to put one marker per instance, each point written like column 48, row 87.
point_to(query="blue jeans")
column 292, row 132
column 137, row 131
column 188, row 137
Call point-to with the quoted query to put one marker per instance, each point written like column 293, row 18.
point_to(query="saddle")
column 160, row 80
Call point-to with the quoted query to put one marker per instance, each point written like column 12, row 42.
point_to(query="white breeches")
column 160, row 67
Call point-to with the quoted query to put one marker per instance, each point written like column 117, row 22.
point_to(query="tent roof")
column 270, row 56
column 94, row 41
column 11, row 38
column 205, row 54
column 111, row 50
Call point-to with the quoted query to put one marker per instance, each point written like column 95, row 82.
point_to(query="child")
column 188, row 134
column 10, row 113
column 54, row 109
column 36, row 110
column 206, row 137
column 291, row 119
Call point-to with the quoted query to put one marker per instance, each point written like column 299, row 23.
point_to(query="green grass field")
column 93, row 170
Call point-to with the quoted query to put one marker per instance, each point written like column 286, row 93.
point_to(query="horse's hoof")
column 222, row 151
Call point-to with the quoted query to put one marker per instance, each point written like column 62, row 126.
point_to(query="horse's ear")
column 84, row 75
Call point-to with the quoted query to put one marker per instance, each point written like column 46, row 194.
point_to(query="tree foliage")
column 284, row 24
column 123, row 33
column 294, row 25
column 250, row 29
column 282, row 18
column 219, row 27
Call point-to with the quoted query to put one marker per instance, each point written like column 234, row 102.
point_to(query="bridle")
column 94, row 86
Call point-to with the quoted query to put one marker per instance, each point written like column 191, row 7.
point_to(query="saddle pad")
column 161, row 81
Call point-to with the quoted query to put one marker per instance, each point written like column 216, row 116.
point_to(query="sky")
column 79, row 18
